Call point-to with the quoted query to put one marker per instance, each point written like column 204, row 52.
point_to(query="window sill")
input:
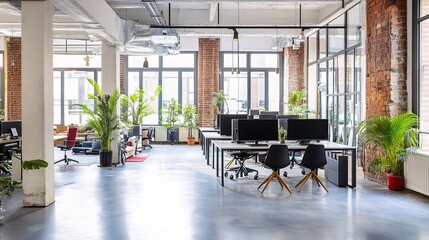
column 423, row 153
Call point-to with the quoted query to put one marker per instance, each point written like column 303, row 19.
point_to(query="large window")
column 336, row 75
column 421, row 70
column 175, row 73
column 257, row 86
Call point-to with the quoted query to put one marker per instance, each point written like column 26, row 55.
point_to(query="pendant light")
column 86, row 58
column 145, row 63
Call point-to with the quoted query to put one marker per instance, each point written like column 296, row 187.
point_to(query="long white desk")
column 201, row 135
column 208, row 138
column 222, row 146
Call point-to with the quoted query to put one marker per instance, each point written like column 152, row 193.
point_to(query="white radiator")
column 416, row 173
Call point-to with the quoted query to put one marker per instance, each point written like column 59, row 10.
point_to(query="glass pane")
column 350, row 120
column 273, row 91
column 150, row 83
column 424, row 80
column 323, row 107
column 170, row 87
column 312, row 47
column 333, row 118
column 336, row 35
column 322, row 43
column 231, row 60
column 235, row 88
column 1, row 60
column 350, row 72
column 76, row 89
column 257, row 90
column 331, row 74
column 341, row 119
column 181, row 60
column 57, row 97
column 133, row 81
column 137, row 61
column 353, row 26
column 358, row 70
column 76, row 61
column 188, row 88
column 312, row 90
column 424, row 8
column 269, row 60
column 341, row 71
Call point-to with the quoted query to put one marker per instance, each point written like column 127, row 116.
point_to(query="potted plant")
column 170, row 120
column 296, row 103
column 103, row 119
column 190, row 119
column 219, row 101
column 7, row 186
column 394, row 139
column 282, row 135
column 136, row 108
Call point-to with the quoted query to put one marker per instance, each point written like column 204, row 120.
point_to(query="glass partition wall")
column 334, row 67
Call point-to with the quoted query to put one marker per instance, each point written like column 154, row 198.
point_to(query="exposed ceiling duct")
column 154, row 11
column 141, row 39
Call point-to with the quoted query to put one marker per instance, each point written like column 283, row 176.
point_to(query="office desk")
column 208, row 137
column 201, row 136
column 223, row 146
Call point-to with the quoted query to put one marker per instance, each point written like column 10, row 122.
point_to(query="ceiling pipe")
column 244, row 27
column 154, row 11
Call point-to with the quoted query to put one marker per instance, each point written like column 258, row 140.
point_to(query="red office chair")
column 68, row 145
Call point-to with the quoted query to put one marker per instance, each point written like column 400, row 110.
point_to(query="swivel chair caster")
column 285, row 174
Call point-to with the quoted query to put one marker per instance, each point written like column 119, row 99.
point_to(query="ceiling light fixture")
column 235, row 35
column 86, row 58
column 145, row 63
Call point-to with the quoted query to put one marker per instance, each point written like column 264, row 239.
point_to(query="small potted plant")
column 190, row 119
column 282, row 135
column 393, row 139
column 104, row 120
column 170, row 120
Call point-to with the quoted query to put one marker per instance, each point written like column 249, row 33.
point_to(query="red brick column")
column 208, row 80
column 12, row 67
column 293, row 73
column 386, row 54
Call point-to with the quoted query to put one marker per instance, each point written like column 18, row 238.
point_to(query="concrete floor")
column 175, row 195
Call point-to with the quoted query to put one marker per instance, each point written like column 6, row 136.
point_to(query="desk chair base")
column 241, row 171
column 273, row 175
column 311, row 174
column 66, row 159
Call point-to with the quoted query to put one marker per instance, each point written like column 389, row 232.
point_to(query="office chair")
column 149, row 136
column 240, row 157
column 277, row 158
column 69, row 144
column 314, row 158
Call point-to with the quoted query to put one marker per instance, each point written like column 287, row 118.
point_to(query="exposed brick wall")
column 122, row 73
column 12, row 65
column 293, row 70
column 208, row 80
column 386, row 68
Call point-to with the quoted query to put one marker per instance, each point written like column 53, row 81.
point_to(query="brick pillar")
column 13, row 79
column 386, row 68
column 122, row 73
column 293, row 70
column 208, row 80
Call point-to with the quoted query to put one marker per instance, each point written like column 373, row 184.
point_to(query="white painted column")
column 110, row 76
column 37, row 100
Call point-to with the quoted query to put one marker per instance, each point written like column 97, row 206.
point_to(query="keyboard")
column 257, row 145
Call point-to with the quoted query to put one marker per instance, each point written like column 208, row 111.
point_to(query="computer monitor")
column 283, row 120
column 234, row 130
column 306, row 130
column 6, row 126
column 253, row 112
column 256, row 130
column 217, row 124
column 269, row 113
column 225, row 122
column 267, row 117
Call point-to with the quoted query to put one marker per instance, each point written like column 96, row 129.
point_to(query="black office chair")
column 148, row 137
column 277, row 158
column 240, row 171
column 314, row 158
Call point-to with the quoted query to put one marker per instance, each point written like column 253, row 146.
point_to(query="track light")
column 235, row 36
column 145, row 63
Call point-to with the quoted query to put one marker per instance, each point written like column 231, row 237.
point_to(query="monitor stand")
column 257, row 144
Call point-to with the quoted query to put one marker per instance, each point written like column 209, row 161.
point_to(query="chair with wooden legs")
column 277, row 158
column 313, row 159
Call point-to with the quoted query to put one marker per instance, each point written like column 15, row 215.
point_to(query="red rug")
column 138, row 158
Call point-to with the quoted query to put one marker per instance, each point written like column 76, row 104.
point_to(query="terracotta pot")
column 395, row 183
column 191, row 141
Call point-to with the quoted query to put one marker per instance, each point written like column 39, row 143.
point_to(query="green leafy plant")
column 170, row 117
column 220, row 102
column 136, row 107
column 104, row 118
column 395, row 138
column 282, row 135
column 190, row 119
column 296, row 104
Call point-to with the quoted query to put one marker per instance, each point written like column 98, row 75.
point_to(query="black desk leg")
column 204, row 146
column 207, row 150
column 217, row 161
column 222, row 168
column 353, row 168
column 213, row 151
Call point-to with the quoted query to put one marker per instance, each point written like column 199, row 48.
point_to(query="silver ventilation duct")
column 154, row 11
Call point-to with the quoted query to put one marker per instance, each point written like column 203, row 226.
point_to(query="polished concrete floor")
column 175, row 195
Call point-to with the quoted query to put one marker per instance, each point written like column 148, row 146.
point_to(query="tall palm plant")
column 296, row 103
column 219, row 101
column 137, row 107
column 395, row 138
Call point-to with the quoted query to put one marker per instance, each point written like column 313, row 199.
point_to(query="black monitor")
column 283, row 120
column 269, row 113
column 225, row 122
column 253, row 112
column 306, row 130
column 217, row 121
column 6, row 126
column 267, row 117
column 256, row 130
